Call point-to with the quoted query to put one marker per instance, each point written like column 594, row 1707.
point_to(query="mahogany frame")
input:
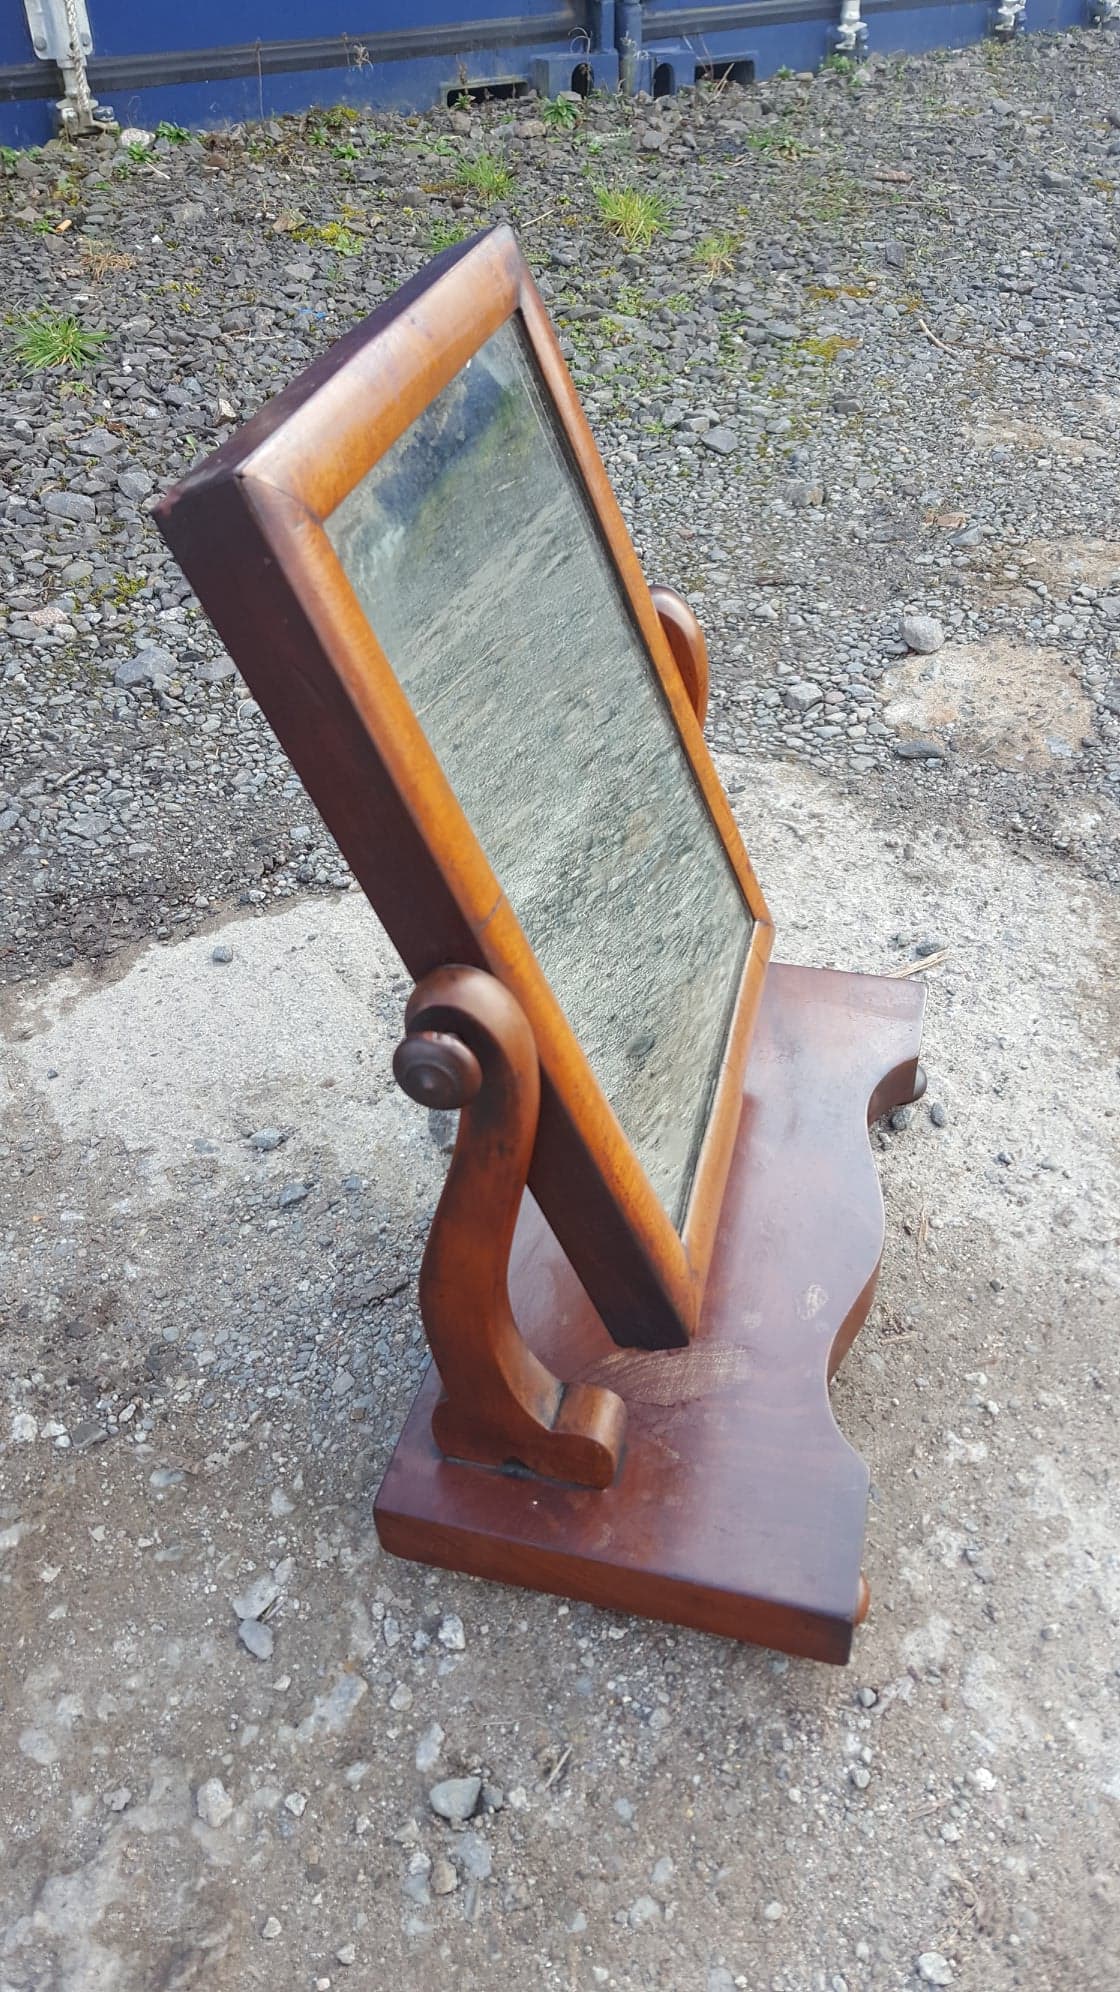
column 247, row 526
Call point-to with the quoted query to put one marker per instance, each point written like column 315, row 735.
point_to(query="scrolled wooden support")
column 686, row 641
column 468, row 1045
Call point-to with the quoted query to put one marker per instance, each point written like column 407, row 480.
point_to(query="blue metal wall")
column 219, row 61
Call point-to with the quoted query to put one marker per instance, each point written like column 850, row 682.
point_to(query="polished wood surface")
column 468, row 1045
column 738, row 1507
column 687, row 643
column 247, row 527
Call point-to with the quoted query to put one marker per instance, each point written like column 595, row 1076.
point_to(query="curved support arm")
column 468, row 1045
column 686, row 641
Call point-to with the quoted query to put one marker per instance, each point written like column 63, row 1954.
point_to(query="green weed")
column 777, row 140
column 341, row 239
column 560, row 114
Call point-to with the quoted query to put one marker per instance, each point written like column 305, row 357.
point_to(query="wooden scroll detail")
column 686, row 641
column 468, row 1046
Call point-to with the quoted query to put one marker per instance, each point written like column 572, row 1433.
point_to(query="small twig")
column 1008, row 353
column 916, row 967
column 923, row 1234
column 557, row 1768
column 935, row 341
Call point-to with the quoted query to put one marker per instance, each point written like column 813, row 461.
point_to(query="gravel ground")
column 792, row 447
column 227, row 1723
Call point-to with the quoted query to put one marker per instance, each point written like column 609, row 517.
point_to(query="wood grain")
column 738, row 1507
column 686, row 641
column 468, row 1046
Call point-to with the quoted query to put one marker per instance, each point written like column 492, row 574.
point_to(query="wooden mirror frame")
column 247, row 527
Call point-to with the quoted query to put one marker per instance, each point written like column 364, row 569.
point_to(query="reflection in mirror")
column 476, row 558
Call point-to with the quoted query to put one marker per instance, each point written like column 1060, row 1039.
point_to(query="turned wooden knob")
column 436, row 1070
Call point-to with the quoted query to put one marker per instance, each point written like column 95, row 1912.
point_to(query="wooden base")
column 738, row 1507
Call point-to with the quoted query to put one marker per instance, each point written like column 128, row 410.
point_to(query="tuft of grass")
column 487, row 176
column 717, row 252
column 8, row 157
column 46, row 340
column 560, row 114
column 173, row 133
column 635, row 216
column 445, row 234
column 838, row 65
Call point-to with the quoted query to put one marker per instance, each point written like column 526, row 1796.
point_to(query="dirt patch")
column 998, row 702
column 1067, row 564
column 1037, row 438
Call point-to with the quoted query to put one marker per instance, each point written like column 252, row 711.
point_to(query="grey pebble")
column 135, row 484
column 257, row 1597
column 256, row 1638
column 455, row 1799
column 213, row 1803
column 922, row 633
column 451, row 1633
column 443, row 1878
column 644, row 1910
column 151, row 665
column 221, row 955
column 938, row 1114
column 474, row 1856
column 428, row 1748
column 802, row 695
column 72, row 505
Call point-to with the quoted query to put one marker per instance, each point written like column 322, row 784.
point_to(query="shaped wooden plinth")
column 737, row 1507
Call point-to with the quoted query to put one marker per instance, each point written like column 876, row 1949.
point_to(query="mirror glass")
column 477, row 558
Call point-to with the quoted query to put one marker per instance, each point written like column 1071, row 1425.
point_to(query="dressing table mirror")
column 661, row 1225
